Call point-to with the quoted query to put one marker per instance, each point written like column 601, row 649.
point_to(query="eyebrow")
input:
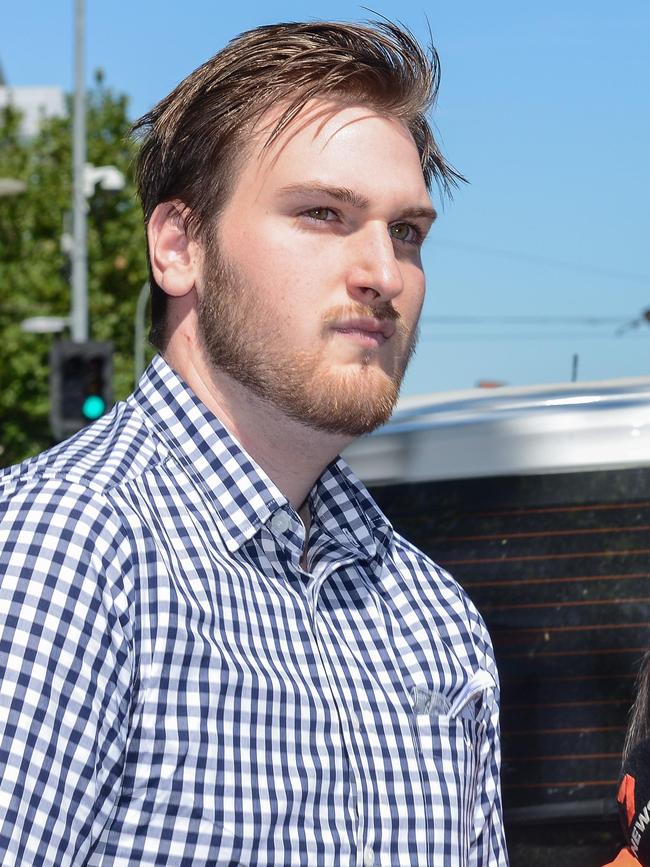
column 414, row 213
column 341, row 194
column 350, row 197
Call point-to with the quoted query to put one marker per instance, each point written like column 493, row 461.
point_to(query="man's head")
column 325, row 117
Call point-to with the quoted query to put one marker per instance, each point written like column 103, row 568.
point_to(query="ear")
column 173, row 255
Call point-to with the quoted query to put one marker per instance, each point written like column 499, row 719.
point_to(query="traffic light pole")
column 81, row 371
column 79, row 301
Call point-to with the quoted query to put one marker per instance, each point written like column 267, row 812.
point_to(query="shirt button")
column 280, row 521
column 368, row 857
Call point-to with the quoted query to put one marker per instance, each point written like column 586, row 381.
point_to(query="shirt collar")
column 242, row 495
column 343, row 507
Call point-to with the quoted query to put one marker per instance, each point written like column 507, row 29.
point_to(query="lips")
column 366, row 328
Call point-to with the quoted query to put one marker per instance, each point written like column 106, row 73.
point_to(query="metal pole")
column 79, row 306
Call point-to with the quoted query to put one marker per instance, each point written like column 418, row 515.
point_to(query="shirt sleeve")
column 65, row 673
column 488, row 847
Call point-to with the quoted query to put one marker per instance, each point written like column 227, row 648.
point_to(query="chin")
column 349, row 403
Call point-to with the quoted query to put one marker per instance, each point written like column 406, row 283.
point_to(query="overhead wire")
column 513, row 335
column 454, row 319
column 624, row 324
column 538, row 259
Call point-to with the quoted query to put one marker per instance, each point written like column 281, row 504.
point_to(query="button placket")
column 347, row 719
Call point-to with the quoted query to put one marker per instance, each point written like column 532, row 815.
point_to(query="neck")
column 291, row 454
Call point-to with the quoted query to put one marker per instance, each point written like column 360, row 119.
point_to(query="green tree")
column 34, row 270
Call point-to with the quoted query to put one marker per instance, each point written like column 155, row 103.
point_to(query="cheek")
column 412, row 298
column 280, row 264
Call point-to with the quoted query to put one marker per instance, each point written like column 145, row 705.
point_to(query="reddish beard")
column 236, row 327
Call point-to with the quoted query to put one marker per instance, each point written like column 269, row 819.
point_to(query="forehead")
column 346, row 145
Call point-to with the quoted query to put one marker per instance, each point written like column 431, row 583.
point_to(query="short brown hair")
column 192, row 139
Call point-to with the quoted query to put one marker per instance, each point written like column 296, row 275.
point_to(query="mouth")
column 366, row 331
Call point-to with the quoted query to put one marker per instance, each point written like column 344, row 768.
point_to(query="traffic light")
column 81, row 384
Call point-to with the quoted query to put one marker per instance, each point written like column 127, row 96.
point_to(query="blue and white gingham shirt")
column 176, row 690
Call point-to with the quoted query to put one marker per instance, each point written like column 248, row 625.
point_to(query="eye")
column 322, row 215
column 405, row 232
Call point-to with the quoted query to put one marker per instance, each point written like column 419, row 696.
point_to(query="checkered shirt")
column 176, row 690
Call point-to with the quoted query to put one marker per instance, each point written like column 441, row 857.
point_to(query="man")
column 216, row 650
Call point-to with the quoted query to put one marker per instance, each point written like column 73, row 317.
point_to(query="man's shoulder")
column 409, row 566
column 407, row 555
column 446, row 600
column 63, row 496
column 111, row 452
column 62, row 529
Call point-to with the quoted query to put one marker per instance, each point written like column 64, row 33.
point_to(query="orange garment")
column 624, row 859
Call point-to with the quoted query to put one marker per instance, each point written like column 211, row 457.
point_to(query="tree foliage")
column 34, row 270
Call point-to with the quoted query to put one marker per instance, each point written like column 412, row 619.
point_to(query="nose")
column 374, row 274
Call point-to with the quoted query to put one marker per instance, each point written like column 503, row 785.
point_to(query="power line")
column 519, row 335
column 547, row 261
column 524, row 320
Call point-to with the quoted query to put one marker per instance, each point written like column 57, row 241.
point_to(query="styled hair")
column 193, row 140
column 638, row 728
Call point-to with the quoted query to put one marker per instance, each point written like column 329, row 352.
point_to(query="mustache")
column 384, row 312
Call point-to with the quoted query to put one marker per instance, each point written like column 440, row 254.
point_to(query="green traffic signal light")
column 81, row 374
column 93, row 407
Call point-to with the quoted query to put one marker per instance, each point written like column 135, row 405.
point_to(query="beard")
column 242, row 335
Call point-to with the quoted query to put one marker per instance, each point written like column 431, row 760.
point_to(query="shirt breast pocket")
column 450, row 742
column 450, row 749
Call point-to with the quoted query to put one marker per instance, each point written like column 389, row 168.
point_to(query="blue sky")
column 543, row 107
